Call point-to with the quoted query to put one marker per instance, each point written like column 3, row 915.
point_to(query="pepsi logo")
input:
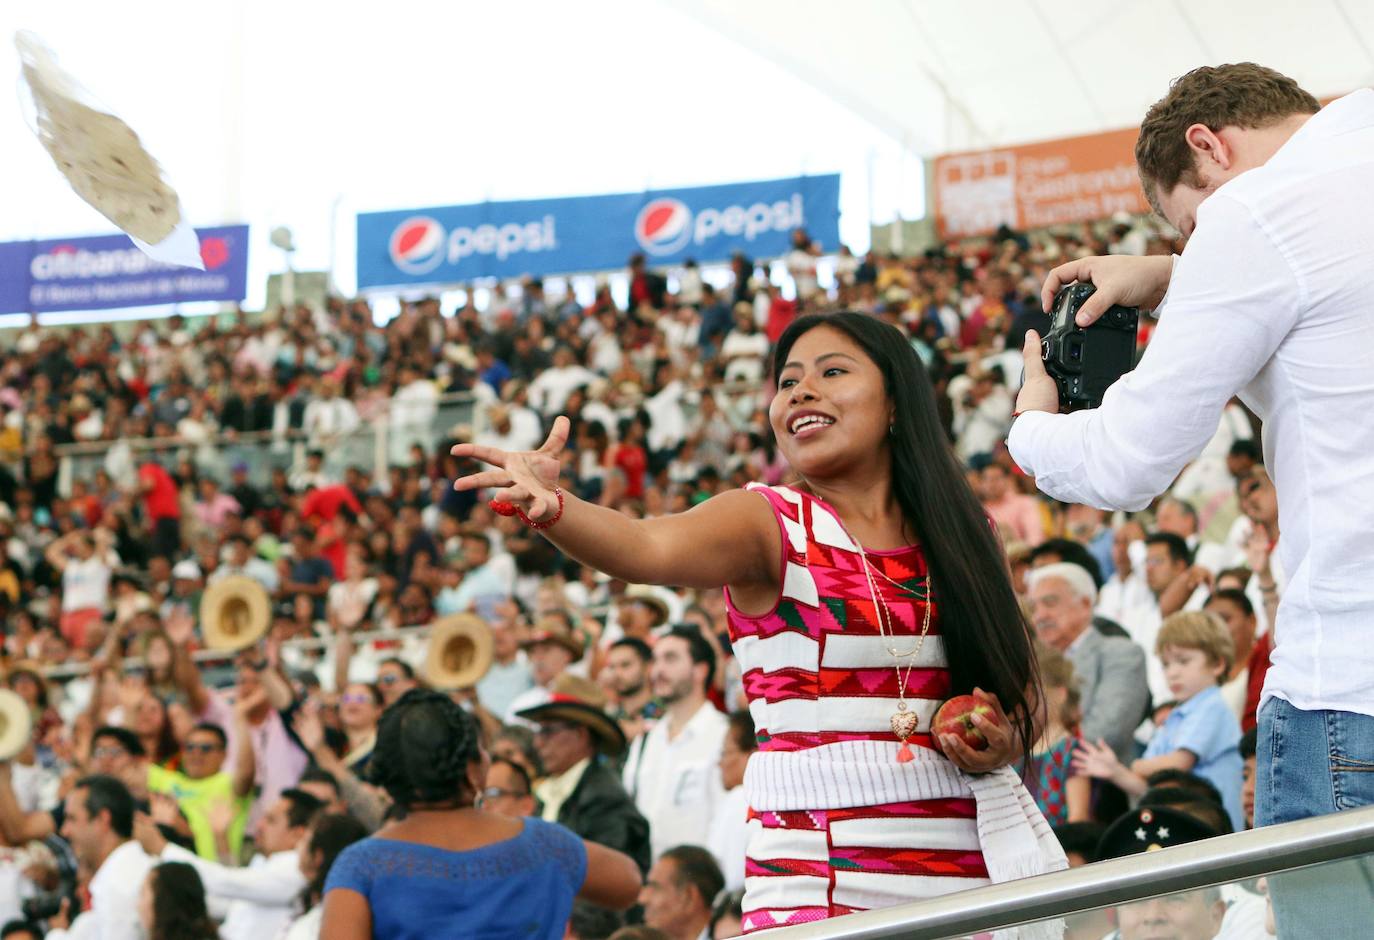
column 214, row 253
column 417, row 245
column 663, row 226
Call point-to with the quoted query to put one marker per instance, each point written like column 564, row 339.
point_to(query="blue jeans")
column 1311, row 763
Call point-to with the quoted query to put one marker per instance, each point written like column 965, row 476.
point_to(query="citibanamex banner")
column 1077, row 179
column 106, row 271
column 456, row 244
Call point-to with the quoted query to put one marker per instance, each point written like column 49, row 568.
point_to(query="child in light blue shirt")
column 1201, row 734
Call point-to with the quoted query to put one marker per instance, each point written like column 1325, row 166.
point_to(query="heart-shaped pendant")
column 904, row 724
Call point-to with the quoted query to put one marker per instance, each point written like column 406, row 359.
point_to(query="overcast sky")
column 303, row 113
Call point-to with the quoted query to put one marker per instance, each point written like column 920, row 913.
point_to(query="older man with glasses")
column 574, row 737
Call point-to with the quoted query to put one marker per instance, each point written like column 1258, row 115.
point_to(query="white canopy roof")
column 942, row 76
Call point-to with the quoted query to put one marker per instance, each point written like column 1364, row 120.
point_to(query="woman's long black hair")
column 179, row 911
column 987, row 640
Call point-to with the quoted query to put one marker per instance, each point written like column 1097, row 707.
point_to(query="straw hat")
column 235, row 612
column 647, row 596
column 16, row 724
column 460, row 652
column 581, row 701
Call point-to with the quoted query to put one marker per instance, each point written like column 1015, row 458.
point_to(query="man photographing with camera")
column 1273, row 299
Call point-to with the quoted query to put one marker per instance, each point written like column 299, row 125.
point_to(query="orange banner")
column 1077, row 179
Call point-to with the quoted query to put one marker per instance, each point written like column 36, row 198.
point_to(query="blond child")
column 1201, row 734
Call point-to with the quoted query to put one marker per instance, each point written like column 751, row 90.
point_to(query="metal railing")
column 377, row 443
column 1208, row 863
column 72, row 670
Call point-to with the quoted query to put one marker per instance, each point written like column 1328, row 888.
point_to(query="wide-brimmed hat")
column 553, row 630
column 460, row 651
column 235, row 612
column 16, row 724
column 646, row 595
column 581, row 701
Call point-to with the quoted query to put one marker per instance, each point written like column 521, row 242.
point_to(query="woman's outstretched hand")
column 525, row 479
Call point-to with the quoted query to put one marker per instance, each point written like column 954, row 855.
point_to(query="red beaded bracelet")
column 548, row 523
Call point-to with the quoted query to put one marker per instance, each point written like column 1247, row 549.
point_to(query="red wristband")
column 547, row 523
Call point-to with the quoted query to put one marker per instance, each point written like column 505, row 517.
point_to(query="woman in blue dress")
column 448, row 868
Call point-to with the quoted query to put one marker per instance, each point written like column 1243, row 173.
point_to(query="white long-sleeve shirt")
column 675, row 782
column 1273, row 298
column 261, row 897
column 113, row 914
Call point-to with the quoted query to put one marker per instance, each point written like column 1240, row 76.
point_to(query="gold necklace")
column 903, row 721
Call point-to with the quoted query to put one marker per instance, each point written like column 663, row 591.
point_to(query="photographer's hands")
column 1128, row 280
column 1038, row 391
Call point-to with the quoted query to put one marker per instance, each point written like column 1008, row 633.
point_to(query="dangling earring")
column 892, row 430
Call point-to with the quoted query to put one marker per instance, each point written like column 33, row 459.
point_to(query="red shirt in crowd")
column 333, row 548
column 633, row 462
column 1258, row 666
column 161, row 501
column 781, row 313
column 325, row 502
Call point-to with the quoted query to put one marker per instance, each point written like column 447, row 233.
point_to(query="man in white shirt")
column 239, row 559
column 509, row 676
column 481, row 577
column 261, row 898
column 550, row 390
column 1167, row 560
column 1180, row 518
column 99, row 822
column 673, row 772
column 1273, row 299
column 329, row 419
column 1126, row 588
column 413, row 409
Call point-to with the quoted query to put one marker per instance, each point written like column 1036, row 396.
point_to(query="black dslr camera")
column 1085, row 361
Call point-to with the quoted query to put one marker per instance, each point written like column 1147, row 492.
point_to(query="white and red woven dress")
column 837, row 825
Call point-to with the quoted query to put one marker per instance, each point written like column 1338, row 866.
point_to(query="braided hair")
column 425, row 743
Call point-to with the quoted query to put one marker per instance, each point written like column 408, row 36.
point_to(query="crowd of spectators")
column 1154, row 626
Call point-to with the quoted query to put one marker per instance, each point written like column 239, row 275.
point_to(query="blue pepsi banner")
column 455, row 244
column 108, row 271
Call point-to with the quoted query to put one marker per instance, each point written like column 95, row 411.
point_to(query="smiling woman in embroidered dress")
column 860, row 597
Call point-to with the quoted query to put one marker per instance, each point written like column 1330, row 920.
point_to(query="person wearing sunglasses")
column 202, row 785
column 395, row 678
